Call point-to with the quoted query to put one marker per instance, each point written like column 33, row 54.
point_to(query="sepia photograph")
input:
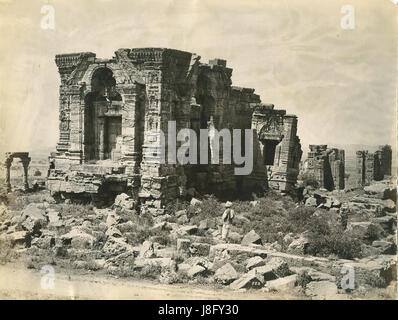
column 198, row 150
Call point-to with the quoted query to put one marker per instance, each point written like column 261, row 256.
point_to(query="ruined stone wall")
column 113, row 113
column 279, row 145
column 327, row 166
column 373, row 166
column 385, row 160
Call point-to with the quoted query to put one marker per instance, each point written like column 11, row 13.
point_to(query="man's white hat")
column 228, row 204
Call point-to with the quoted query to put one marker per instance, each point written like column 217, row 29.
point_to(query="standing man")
column 227, row 219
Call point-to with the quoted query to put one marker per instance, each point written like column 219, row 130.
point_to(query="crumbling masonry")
column 326, row 166
column 373, row 166
column 108, row 107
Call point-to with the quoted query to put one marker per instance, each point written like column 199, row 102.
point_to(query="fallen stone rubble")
column 102, row 241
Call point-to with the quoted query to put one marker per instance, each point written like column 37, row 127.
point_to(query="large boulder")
column 299, row 246
column 112, row 231
column 389, row 206
column 199, row 249
column 18, row 239
column 385, row 247
column 386, row 222
column 147, row 250
column 195, row 202
column 183, row 246
column 196, row 270
column 115, row 246
column 380, row 191
column 125, row 201
column 237, row 252
column 376, row 271
column 254, row 262
column 251, row 238
column 33, row 218
column 162, row 262
column 186, row 230
column 282, row 284
column 248, row 281
column 226, row 274
column 311, row 202
column 78, row 239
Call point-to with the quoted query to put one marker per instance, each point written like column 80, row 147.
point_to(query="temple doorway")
column 113, row 134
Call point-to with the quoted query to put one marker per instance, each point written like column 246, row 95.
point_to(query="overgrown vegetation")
column 309, row 180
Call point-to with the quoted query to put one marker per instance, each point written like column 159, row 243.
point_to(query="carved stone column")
column 7, row 165
column 101, row 128
column 25, row 163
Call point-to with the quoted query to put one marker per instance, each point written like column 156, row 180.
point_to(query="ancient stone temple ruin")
column 327, row 166
column 373, row 166
column 113, row 112
column 280, row 145
column 25, row 159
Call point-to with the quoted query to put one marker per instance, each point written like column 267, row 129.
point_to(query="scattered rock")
column 199, row 249
column 254, row 262
column 380, row 191
column 248, row 281
column 183, row 245
column 195, row 202
column 311, row 202
column 125, row 201
column 115, row 246
column 282, row 284
column 251, row 238
column 299, row 246
column 112, row 231
column 20, row 238
column 196, row 270
column 186, row 230
column 33, row 218
column 226, row 274
column 147, row 250
column 163, row 262
column 389, row 206
column 78, row 239
column 385, row 247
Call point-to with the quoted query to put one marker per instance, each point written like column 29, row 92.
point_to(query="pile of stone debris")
column 248, row 263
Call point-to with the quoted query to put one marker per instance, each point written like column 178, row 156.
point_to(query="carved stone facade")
column 280, row 146
column 327, row 165
column 112, row 113
column 373, row 166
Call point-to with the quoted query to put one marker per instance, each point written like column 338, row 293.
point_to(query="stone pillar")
column 101, row 129
column 25, row 163
column 7, row 164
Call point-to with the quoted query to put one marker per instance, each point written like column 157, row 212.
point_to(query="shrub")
column 37, row 173
column 374, row 232
column 7, row 254
column 309, row 180
column 335, row 242
column 150, row 272
column 303, row 278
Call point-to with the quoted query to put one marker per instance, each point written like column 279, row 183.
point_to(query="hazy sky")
column 340, row 83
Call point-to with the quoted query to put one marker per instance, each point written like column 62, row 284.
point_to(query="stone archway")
column 25, row 159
